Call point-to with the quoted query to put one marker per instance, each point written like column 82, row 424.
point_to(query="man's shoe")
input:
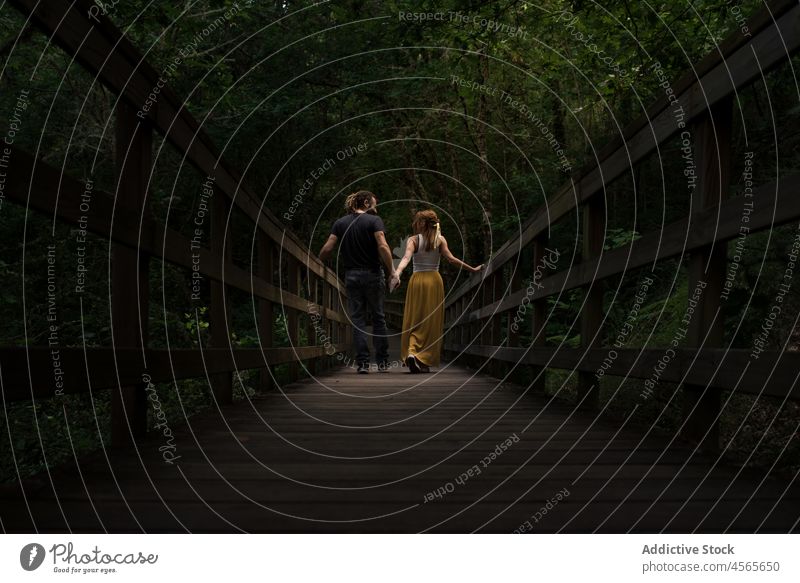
column 363, row 368
column 411, row 363
column 383, row 367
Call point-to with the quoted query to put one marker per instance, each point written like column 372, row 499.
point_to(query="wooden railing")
column 701, row 363
column 475, row 311
column 123, row 218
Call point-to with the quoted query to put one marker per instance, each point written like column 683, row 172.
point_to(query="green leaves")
column 196, row 325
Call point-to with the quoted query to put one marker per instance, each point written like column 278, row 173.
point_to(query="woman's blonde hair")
column 426, row 223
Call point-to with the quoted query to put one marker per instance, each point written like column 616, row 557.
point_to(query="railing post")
column 485, row 326
column 475, row 336
column 592, row 313
column 340, row 327
column 513, row 335
column 221, row 384
column 464, row 332
column 266, row 315
column 457, row 331
column 496, row 326
column 130, row 270
column 538, row 318
column 328, row 326
column 292, row 319
column 311, row 330
column 345, row 331
column 456, row 336
column 707, row 267
column 348, row 327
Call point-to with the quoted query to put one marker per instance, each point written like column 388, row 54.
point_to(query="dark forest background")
column 282, row 87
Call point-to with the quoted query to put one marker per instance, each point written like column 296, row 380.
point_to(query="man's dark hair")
column 359, row 200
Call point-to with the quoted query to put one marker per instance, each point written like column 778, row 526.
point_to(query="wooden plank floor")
column 362, row 453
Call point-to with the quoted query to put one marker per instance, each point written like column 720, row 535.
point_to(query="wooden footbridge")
column 458, row 450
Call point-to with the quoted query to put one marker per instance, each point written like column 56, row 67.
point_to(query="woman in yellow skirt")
column 423, row 316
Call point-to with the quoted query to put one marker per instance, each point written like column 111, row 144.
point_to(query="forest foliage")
column 478, row 109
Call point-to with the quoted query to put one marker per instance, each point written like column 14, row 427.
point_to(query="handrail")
column 102, row 49
column 484, row 313
column 738, row 61
column 96, row 368
column 39, row 185
column 38, row 372
column 774, row 204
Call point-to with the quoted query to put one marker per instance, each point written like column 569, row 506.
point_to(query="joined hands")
column 394, row 281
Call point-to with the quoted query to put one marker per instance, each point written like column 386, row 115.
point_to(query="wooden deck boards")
column 359, row 453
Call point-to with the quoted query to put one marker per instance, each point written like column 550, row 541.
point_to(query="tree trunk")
column 483, row 170
column 457, row 196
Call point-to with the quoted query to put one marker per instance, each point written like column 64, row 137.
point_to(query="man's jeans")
column 365, row 291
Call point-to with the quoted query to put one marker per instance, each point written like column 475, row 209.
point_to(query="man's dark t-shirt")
column 356, row 235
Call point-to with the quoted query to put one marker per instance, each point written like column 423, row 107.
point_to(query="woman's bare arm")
column 448, row 255
column 411, row 247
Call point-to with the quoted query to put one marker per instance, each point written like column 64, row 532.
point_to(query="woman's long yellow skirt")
column 423, row 318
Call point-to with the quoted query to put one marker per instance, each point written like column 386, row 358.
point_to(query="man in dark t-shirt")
column 358, row 248
column 363, row 251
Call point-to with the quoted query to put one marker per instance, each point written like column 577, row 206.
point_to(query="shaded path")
column 363, row 452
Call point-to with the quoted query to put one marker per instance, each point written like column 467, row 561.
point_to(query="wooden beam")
column 292, row 320
column 774, row 204
column 266, row 314
column 738, row 61
column 110, row 368
column 220, row 337
column 707, row 268
column 496, row 325
column 43, row 188
column 539, row 317
column 328, row 326
column 514, row 283
column 594, row 226
column 463, row 326
column 773, row 374
column 311, row 328
column 104, row 51
column 130, row 272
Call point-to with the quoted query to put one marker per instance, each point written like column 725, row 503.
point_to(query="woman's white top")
column 425, row 260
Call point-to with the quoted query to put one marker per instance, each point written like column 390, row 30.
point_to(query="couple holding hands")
column 366, row 258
